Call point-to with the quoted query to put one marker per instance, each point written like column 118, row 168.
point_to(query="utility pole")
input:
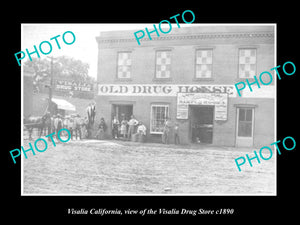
column 50, row 108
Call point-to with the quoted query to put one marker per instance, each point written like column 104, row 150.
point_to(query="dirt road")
column 105, row 167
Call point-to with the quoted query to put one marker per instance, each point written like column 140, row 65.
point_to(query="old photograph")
column 148, row 109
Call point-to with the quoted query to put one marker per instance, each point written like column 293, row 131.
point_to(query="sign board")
column 167, row 90
column 67, row 85
column 219, row 100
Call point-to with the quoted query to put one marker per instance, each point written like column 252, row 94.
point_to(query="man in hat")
column 57, row 123
column 77, row 122
column 166, row 131
column 131, row 123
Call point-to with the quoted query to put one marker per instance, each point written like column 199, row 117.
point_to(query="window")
column 245, row 122
column 124, row 65
column 204, row 63
column 247, row 63
column 159, row 113
column 163, row 64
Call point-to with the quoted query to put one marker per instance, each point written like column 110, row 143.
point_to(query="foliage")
column 63, row 67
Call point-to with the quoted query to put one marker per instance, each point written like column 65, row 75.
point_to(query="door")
column 122, row 110
column 245, row 127
column 201, row 124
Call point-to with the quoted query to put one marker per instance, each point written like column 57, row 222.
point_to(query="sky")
column 85, row 47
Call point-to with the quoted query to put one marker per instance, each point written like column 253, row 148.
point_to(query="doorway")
column 201, row 123
column 121, row 110
column 245, row 125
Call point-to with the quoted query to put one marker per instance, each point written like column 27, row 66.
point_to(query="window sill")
column 243, row 79
column 162, row 79
column 122, row 80
column 202, row 79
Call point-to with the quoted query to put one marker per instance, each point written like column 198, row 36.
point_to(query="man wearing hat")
column 57, row 123
column 77, row 126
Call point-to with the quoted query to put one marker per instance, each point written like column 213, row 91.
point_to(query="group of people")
column 74, row 123
column 48, row 124
column 167, row 131
column 125, row 130
column 133, row 129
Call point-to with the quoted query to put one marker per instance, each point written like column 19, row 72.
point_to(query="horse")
column 38, row 122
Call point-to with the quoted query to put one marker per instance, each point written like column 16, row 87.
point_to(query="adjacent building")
column 188, row 76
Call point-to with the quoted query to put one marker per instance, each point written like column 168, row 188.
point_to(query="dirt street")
column 116, row 167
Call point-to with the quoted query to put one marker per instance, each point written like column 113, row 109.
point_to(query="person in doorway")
column 123, row 130
column 115, row 127
column 166, row 131
column 176, row 134
column 131, row 127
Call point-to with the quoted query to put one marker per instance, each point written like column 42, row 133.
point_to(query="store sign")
column 66, row 85
column 162, row 90
column 219, row 100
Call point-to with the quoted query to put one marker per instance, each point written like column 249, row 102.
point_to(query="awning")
column 63, row 104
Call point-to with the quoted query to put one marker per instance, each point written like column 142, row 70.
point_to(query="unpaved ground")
column 105, row 167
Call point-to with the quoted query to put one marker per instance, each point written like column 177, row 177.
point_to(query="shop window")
column 204, row 62
column 163, row 64
column 245, row 122
column 247, row 63
column 124, row 65
column 159, row 113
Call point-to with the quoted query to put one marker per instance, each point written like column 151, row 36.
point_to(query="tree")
column 63, row 67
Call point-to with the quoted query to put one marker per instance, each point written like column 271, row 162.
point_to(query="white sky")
column 85, row 47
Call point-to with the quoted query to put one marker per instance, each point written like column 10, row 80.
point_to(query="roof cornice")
column 220, row 35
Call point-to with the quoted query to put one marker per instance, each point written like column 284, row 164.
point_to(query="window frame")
column 212, row 63
column 117, row 72
column 238, row 72
column 167, row 106
column 155, row 68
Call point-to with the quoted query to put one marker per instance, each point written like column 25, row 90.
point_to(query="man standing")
column 166, row 131
column 176, row 134
column 57, row 123
column 115, row 127
column 77, row 126
column 131, row 123
column 93, row 112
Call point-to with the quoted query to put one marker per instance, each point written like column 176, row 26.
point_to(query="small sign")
column 219, row 100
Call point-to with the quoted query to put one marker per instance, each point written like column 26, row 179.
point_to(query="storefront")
column 214, row 115
column 189, row 77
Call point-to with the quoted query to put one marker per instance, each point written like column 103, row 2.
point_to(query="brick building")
column 188, row 75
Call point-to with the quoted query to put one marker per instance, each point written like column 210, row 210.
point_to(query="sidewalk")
column 172, row 146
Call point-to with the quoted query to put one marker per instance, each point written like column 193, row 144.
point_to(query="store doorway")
column 120, row 110
column 201, row 123
column 245, row 125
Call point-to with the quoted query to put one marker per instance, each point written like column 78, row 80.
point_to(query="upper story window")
column 163, row 64
column 124, row 65
column 247, row 62
column 204, row 62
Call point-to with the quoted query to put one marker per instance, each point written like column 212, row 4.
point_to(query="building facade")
column 188, row 76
